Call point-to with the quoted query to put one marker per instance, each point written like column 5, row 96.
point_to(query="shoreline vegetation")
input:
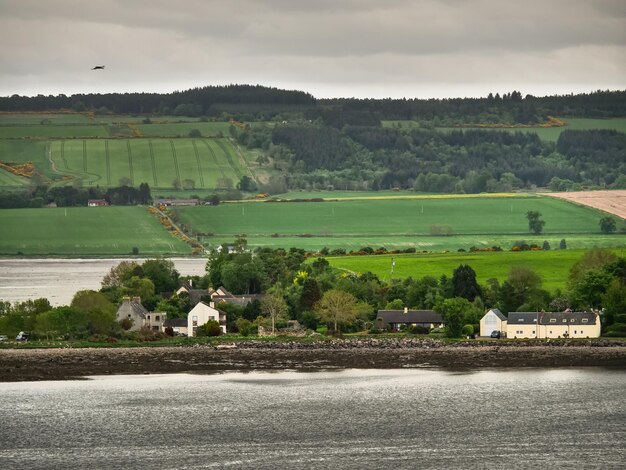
column 34, row 364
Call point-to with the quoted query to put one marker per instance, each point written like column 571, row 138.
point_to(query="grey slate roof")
column 130, row 307
column 412, row 316
column 498, row 314
column 175, row 322
column 529, row 318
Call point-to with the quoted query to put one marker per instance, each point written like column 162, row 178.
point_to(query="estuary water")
column 349, row 419
column 59, row 279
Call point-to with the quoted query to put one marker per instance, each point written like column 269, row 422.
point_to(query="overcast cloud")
column 361, row 48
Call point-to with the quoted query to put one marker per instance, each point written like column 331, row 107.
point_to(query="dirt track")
column 613, row 202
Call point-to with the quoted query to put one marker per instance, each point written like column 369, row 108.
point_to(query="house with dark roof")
column 178, row 326
column 553, row 325
column 395, row 319
column 217, row 296
column 493, row 320
column 195, row 295
column 132, row 310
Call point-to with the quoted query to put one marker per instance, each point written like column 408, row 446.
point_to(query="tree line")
column 41, row 195
column 259, row 102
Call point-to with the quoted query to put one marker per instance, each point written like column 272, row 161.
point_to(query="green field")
column 35, row 119
column 553, row 266
column 85, row 231
column 157, row 162
column 399, row 223
column 182, row 129
column 52, row 132
column 101, row 150
column 550, row 134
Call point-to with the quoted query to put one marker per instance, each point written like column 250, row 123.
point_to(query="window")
column 533, row 332
column 157, row 318
column 148, row 317
column 572, row 320
column 565, row 320
column 552, row 320
column 585, row 320
column 550, row 331
column 520, row 320
column 575, row 332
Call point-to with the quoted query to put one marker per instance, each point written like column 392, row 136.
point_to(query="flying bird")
column 98, row 67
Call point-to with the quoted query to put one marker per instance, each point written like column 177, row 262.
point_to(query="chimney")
column 406, row 309
column 137, row 299
column 190, row 282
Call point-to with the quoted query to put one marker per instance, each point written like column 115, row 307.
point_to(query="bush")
column 418, row 330
column 244, row 327
column 468, row 330
column 616, row 329
column 210, row 328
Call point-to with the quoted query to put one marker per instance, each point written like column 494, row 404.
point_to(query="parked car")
column 495, row 334
column 22, row 336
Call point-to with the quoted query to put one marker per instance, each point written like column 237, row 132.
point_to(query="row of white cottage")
column 566, row 324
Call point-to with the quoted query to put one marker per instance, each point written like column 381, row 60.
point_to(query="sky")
column 329, row 48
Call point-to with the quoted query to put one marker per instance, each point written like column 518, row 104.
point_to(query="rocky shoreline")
column 22, row 364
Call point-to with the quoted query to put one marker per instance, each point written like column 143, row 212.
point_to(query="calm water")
column 357, row 419
column 59, row 279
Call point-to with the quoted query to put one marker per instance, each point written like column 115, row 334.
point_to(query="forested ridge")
column 259, row 102
column 358, row 144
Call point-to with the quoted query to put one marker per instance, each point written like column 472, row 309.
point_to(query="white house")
column 553, row 325
column 201, row 314
column 494, row 320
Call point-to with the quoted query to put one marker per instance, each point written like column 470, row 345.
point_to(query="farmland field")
column 157, row 162
column 545, row 133
column 85, row 231
column 553, row 266
column 399, row 223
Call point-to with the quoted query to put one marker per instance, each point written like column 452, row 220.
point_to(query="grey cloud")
column 324, row 42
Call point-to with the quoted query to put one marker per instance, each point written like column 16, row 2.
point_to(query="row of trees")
column 258, row 102
column 40, row 195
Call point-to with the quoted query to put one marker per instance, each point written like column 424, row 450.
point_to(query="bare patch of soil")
column 612, row 202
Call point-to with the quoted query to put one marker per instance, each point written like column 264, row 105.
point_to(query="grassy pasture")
column 399, row 223
column 85, row 231
column 52, row 132
column 158, row 162
column 550, row 134
column 29, row 119
column 553, row 266
column 182, row 129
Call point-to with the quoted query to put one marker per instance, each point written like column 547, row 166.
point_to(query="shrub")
column 244, row 327
column 210, row 328
column 468, row 330
column 418, row 330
